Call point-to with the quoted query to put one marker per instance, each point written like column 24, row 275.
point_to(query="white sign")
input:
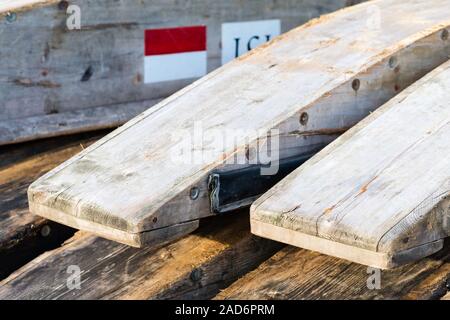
column 241, row 37
column 175, row 53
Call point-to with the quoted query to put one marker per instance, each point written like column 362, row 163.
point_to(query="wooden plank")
column 130, row 182
column 379, row 194
column 22, row 5
column 24, row 236
column 12, row 154
column 48, row 69
column 70, row 122
column 433, row 286
column 195, row 267
column 295, row 273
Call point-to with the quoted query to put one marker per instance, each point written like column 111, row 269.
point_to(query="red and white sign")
column 175, row 53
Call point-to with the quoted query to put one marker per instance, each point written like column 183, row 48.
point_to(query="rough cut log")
column 295, row 273
column 380, row 194
column 195, row 267
column 23, row 236
column 303, row 89
column 55, row 81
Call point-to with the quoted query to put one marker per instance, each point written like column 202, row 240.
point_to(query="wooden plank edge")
column 344, row 251
column 24, row 5
column 70, row 122
column 153, row 237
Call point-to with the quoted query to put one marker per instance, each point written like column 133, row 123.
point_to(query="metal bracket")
column 231, row 189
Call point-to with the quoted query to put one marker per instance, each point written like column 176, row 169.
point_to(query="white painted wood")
column 238, row 37
column 336, row 69
column 169, row 67
column 378, row 195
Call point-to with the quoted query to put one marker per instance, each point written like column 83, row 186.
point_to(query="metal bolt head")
column 444, row 34
column 45, row 231
column 356, row 84
column 392, row 62
column 11, row 17
column 304, row 117
column 194, row 193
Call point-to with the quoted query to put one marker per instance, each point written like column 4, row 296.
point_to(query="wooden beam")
column 308, row 85
column 70, row 122
column 295, row 273
column 50, row 72
column 195, row 267
column 23, row 5
column 378, row 195
column 23, row 236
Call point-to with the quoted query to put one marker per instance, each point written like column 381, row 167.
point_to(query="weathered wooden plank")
column 22, row 5
column 23, row 235
column 48, row 69
column 70, row 122
column 309, row 85
column 295, row 273
column 195, row 267
column 379, row 195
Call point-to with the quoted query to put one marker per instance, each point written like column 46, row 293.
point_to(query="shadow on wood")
column 195, row 267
